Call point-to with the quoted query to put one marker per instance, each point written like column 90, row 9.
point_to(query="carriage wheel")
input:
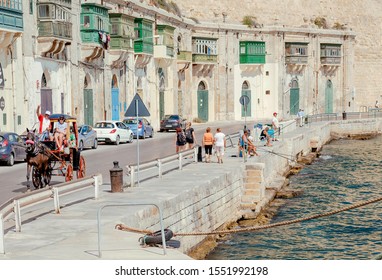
column 81, row 168
column 36, row 178
column 69, row 173
column 48, row 176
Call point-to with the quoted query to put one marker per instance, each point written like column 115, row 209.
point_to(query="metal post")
column 96, row 187
column 136, row 110
column 56, row 200
column 195, row 154
column 180, row 161
column 16, row 210
column 132, row 176
column 2, row 250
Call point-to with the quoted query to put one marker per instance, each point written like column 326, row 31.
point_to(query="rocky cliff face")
column 362, row 16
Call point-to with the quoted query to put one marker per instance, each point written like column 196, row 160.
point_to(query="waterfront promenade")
column 73, row 234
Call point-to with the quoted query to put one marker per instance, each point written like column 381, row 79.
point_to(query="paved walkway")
column 73, row 234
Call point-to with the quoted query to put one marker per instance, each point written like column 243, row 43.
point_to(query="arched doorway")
column 114, row 99
column 294, row 103
column 245, row 90
column 202, row 102
column 329, row 97
column 46, row 95
column 88, row 102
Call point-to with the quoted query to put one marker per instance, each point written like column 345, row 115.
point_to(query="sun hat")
column 47, row 113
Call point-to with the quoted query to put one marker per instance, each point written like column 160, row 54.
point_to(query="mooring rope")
column 255, row 228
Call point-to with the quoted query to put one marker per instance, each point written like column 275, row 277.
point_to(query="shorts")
column 219, row 151
column 208, row 149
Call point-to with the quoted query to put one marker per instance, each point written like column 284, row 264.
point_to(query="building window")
column 205, row 46
column 86, row 21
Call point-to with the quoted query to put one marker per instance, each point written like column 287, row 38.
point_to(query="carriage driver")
column 60, row 132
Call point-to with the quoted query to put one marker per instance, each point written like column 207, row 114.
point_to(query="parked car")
column 144, row 127
column 113, row 132
column 87, row 137
column 172, row 122
column 12, row 148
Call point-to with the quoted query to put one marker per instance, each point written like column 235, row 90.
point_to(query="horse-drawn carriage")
column 45, row 159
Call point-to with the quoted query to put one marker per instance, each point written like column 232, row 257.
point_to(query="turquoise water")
column 347, row 172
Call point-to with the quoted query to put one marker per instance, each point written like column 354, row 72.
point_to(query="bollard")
column 116, row 178
column 344, row 115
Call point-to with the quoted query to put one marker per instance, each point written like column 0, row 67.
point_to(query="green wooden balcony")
column 184, row 56
column 11, row 15
column 252, row 59
column 143, row 44
column 204, row 58
column 121, row 43
column 252, row 52
column 59, row 29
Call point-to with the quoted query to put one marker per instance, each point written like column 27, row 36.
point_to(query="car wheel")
column 160, row 130
column 131, row 138
column 152, row 133
column 95, row 144
column 81, row 145
column 11, row 160
column 117, row 140
column 143, row 135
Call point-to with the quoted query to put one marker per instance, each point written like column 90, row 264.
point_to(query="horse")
column 38, row 157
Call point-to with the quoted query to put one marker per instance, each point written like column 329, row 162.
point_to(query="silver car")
column 87, row 137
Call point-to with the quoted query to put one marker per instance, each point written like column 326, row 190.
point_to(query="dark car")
column 144, row 127
column 87, row 137
column 172, row 122
column 12, row 148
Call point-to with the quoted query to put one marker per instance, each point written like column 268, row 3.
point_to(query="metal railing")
column 14, row 205
column 372, row 113
column 159, row 164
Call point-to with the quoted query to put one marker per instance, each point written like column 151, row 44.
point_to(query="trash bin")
column 344, row 115
column 116, row 178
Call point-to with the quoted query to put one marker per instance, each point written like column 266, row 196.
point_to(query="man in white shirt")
column 220, row 144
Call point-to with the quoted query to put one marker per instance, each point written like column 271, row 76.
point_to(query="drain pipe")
column 13, row 90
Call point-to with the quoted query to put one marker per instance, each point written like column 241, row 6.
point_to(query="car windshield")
column 130, row 121
column 104, row 125
column 1, row 138
column 173, row 117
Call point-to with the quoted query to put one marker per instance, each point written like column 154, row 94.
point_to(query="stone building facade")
column 89, row 58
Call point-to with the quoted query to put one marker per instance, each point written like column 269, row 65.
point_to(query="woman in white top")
column 220, row 144
column 60, row 132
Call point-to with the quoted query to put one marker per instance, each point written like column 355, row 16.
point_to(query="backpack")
column 189, row 134
column 181, row 138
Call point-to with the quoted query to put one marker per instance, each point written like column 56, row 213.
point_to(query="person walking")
column 190, row 136
column 207, row 143
column 275, row 125
column 220, row 144
column 180, row 140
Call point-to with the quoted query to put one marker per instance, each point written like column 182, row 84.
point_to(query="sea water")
column 347, row 172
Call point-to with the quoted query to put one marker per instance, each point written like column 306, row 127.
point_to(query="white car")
column 113, row 132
